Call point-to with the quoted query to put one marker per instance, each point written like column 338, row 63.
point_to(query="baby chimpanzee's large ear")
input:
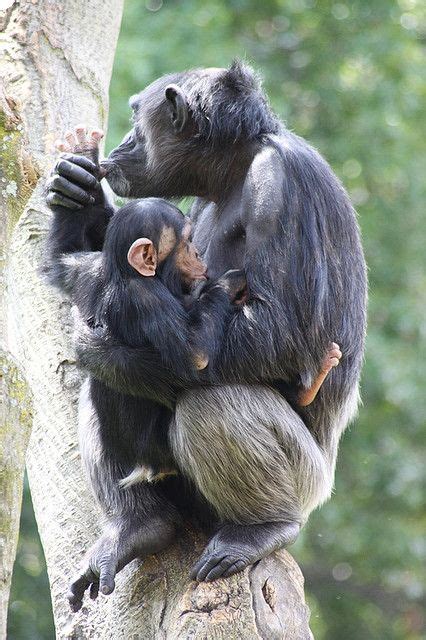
column 178, row 106
column 142, row 256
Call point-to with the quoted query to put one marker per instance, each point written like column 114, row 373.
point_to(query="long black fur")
column 134, row 313
column 267, row 203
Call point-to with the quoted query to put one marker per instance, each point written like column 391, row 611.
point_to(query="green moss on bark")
column 18, row 174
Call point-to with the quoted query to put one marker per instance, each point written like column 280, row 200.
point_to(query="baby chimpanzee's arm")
column 138, row 371
column 209, row 316
column 178, row 343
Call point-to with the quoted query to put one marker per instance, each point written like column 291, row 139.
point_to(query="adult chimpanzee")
column 133, row 293
column 269, row 204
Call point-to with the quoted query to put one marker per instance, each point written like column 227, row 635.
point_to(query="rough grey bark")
column 55, row 72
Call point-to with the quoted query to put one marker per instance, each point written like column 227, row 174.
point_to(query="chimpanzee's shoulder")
column 267, row 161
column 264, row 182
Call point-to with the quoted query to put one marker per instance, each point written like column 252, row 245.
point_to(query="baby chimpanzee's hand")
column 235, row 283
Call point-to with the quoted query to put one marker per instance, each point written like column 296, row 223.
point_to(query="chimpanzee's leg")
column 254, row 460
column 140, row 521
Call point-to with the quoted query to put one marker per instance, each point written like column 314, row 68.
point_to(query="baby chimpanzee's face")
column 174, row 246
column 187, row 261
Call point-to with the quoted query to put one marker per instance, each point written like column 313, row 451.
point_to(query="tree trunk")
column 55, row 72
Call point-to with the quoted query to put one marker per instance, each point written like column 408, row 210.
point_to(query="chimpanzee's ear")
column 142, row 256
column 178, row 105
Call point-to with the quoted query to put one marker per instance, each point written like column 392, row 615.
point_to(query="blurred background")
column 351, row 78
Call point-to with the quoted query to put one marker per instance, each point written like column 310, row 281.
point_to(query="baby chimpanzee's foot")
column 97, row 573
column 80, row 142
column 332, row 358
column 121, row 542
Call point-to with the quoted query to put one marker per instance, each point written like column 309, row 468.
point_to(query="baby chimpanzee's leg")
column 140, row 520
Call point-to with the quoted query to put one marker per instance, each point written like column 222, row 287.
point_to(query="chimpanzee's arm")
column 74, row 188
column 209, row 316
column 278, row 334
column 166, row 363
column 80, row 219
column 138, row 371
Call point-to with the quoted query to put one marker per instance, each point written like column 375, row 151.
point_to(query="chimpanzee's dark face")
column 154, row 159
column 125, row 165
column 137, row 167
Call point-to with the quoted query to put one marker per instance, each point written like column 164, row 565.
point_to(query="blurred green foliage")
column 30, row 608
column 351, row 78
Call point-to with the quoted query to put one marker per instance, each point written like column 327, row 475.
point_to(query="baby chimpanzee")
column 136, row 292
column 133, row 293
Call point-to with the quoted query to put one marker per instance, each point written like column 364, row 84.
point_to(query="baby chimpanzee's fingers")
column 62, row 146
column 96, row 136
column 70, row 138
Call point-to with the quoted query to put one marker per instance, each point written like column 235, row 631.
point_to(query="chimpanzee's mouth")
column 115, row 178
column 106, row 167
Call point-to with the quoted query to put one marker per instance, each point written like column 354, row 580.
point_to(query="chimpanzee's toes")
column 221, row 563
column 96, row 136
column 238, row 566
column 80, row 133
column 94, row 590
column 78, row 586
column 70, row 138
column 106, row 578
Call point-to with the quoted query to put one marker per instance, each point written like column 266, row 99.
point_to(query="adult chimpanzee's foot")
column 234, row 547
column 120, row 544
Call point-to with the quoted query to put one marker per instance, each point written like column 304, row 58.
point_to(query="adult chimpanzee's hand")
column 75, row 180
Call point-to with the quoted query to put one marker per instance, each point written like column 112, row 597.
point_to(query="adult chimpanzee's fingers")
column 76, row 173
column 81, row 161
column 55, row 199
column 69, row 189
